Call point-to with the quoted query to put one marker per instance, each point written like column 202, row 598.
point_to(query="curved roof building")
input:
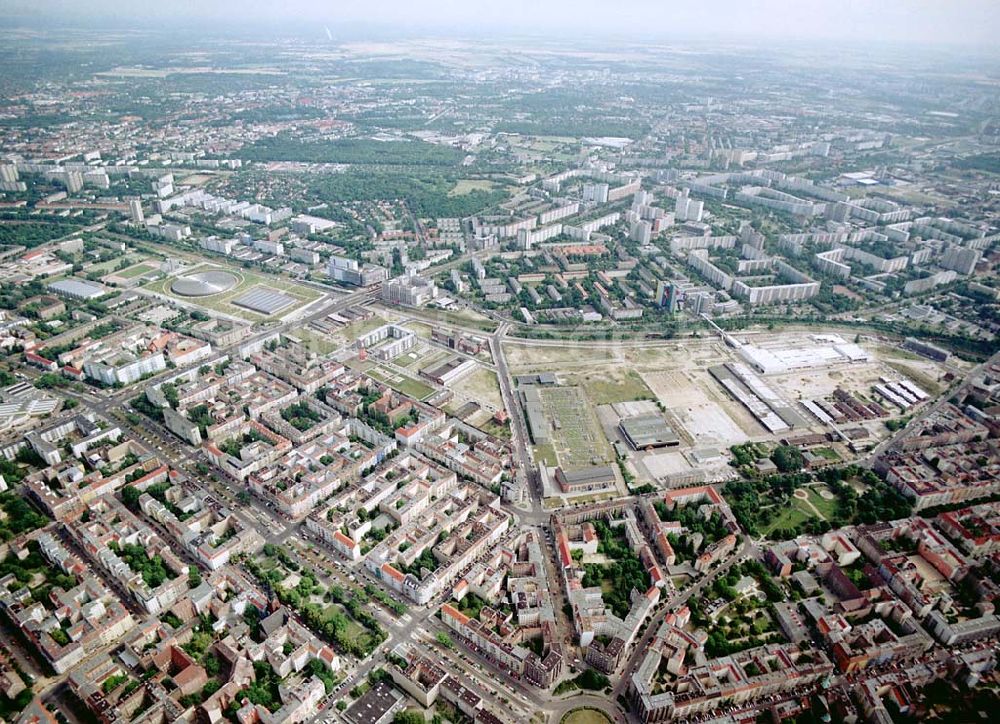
column 202, row 284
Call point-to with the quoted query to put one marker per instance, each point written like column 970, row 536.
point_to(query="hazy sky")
column 975, row 22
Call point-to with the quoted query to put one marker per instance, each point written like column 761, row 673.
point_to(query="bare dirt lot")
column 480, row 385
column 708, row 419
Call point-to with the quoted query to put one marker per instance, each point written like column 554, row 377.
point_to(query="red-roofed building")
column 37, row 360
column 565, row 555
column 72, row 372
column 392, row 577
column 346, row 546
column 685, row 496
column 449, row 612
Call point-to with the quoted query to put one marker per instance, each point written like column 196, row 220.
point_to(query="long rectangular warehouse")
column 763, row 402
column 754, row 404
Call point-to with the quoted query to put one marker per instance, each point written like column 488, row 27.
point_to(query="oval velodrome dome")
column 203, row 284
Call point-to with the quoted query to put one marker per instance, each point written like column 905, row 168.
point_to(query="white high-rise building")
column 73, row 180
column 688, row 209
column 267, row 246
column 409, row 289
column 8, row 173
column 641, row 232
column 695, row 210
column 124, row 369
column 597, row 193
column 135, row 214
column 960, row 259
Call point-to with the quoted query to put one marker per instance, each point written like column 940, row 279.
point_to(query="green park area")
column 619, row 573
column 812, row 502
column 589, row 680
column 711, row 529
column 743, row 619
column 17, row 515
column 796, row 501
column 337, row 614
column 34, row 573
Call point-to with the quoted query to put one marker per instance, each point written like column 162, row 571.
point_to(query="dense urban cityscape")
column 397, row 378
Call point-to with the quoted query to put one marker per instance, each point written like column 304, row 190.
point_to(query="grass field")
column 460, row 318
column 268, row 564
column 897, row 352
column 197, row 179
column 421, row 329
column 468, row 185
column 929, row 385
column 222, row 302
column 107, row 267
column 828, row 453
column 481, row 385
column 577, row 437
column 406, row 360
column 546, row 454
column 352, row 331
column 585, row 716
column 426, row 357
column 527, row 357
column 495, row 429
column 401, row 383
column 315, row 341
column 355, row 631
column 828, row 508
column 137, row 270
column 790, row 517
column 608, row 386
